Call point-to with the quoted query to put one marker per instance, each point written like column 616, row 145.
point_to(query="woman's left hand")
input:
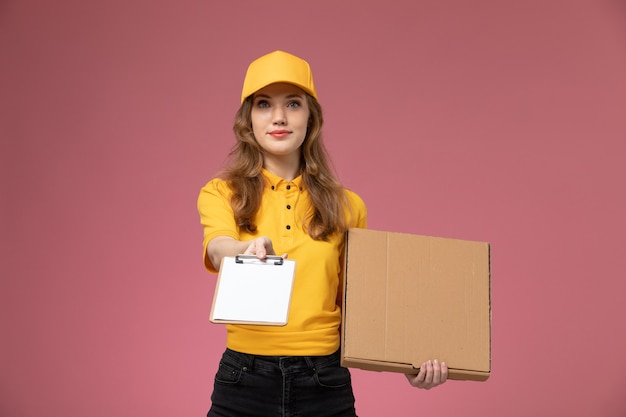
column 431, row 374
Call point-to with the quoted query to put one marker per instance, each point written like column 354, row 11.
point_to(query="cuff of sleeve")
column 207, row 261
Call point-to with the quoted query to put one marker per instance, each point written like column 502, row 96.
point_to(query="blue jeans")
column 289, row 386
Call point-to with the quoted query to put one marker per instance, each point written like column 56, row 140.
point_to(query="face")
column 280, row 116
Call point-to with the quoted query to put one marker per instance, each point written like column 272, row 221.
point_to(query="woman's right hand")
column 261, row 247
column 222, row 246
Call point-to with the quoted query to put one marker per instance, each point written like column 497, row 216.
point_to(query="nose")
column 278, row 116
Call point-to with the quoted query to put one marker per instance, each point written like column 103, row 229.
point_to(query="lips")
column 279, row 133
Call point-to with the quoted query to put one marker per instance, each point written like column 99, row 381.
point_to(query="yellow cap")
column 278, row 67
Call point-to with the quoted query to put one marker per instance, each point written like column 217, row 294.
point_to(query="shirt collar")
column 276, row 182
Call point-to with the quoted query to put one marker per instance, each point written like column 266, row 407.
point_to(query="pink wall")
column 483, row 120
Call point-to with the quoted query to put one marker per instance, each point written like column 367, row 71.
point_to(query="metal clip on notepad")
column 270, row 259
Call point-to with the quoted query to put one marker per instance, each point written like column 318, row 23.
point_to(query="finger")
column 444, row 372
column 415, row 379
column 410, row 378
column 251, row 249
column 269, row 248
column 261, row 250
column 418, row 380
column 436, row 373
column 428, row 380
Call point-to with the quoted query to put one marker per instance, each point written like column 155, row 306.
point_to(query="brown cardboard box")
column 410, row 298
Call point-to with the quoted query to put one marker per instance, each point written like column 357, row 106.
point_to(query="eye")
column 294, row 104
column 262, row 104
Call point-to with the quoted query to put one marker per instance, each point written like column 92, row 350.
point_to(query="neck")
column 287, row 168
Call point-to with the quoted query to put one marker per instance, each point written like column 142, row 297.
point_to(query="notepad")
column 251, row 291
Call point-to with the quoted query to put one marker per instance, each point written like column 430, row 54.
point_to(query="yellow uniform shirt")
column 314, row 316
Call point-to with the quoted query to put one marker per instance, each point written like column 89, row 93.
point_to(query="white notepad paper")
column 250, row 291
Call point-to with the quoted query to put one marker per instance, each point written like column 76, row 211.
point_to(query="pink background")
column 498, row 121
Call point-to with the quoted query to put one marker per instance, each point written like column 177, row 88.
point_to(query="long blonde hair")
column 243, row 173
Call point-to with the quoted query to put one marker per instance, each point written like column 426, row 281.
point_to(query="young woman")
column 278, row 194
